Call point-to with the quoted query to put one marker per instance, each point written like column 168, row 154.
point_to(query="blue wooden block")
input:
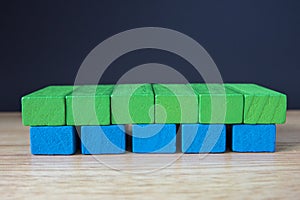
column 254, row 138
column 154, row 138
column 53, row 140
column 103, row 139
column 203, row 138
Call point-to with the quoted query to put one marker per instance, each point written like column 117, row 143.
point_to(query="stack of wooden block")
column 152, row 118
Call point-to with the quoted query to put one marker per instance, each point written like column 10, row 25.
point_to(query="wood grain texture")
column 261, row 105
column 89, row 105
column 221, row 176
column 132, row 104
column 175, row 103
column 45, row 106
column 218, row 104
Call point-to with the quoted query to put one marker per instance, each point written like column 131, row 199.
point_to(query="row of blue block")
column 152, row 138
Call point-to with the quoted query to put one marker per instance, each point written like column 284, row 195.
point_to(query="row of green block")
column 153, row 103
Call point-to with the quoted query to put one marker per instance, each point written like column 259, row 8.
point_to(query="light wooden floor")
column 172, row 176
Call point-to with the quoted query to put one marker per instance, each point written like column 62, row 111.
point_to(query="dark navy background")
column 43, row 42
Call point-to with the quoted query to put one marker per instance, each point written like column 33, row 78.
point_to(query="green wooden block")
column 218, row 104
column 175, row 103
column 45, row 107
column 89, row 105
column 261, row 105
column 132, row 104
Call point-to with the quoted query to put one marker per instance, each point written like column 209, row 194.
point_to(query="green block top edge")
column 253, row 89
column 143, row 89
column 91, row 90
column 59, row 91
column 173, row 90
column 146, row 89
column 213, row 89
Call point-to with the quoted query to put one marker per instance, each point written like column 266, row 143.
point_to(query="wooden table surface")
column 170, row 176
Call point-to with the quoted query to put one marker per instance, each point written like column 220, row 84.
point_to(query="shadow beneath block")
column 178, row 138
column 128, row 137
column 228, row 138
